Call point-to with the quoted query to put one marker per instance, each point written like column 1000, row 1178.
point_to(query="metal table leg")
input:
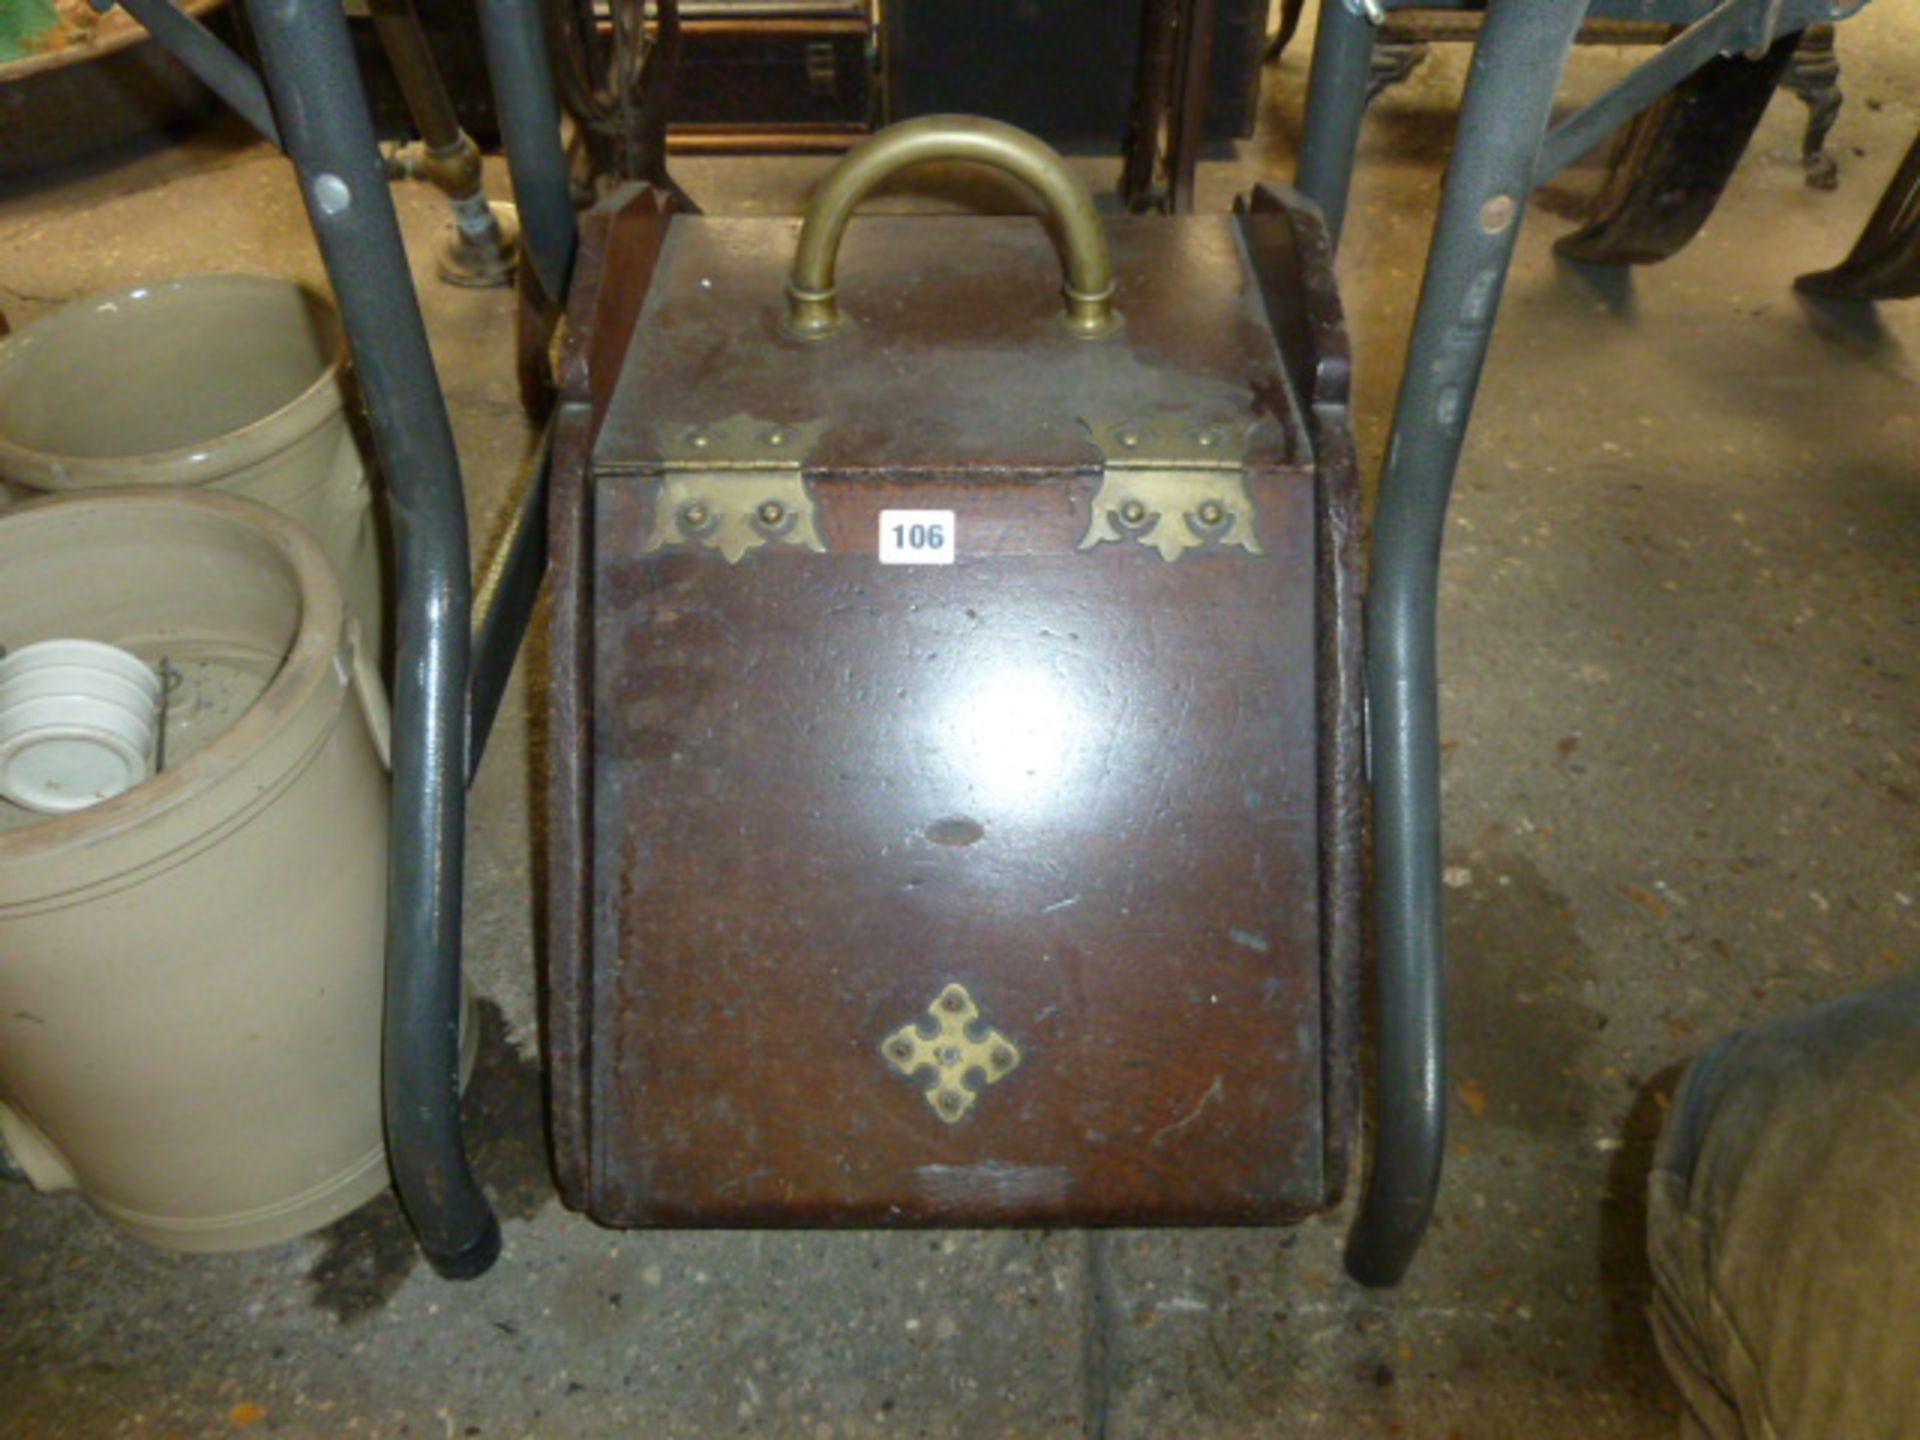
column 1885, row 262
column 1336, row 106
column 1276, row 46
column 1510, row 88
column 1673, row 162
column 475, row 251
column 329, row 136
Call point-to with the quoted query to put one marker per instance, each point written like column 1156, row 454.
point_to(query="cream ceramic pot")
column 229, row 382
column 191, row 971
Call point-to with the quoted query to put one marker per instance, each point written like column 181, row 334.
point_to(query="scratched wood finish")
column 619, row 240
column 1087, row 785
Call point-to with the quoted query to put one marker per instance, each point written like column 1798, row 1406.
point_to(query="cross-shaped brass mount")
column 951, row 1054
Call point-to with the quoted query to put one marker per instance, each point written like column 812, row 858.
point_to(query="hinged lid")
column 948, row 347
column 955, row 358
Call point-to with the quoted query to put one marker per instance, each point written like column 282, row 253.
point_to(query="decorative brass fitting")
column 952, row 1053
column 734, row 486
column 1172, row 486
column 813, row 311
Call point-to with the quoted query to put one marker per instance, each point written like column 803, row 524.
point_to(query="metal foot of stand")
column 477, row 256
column 450, row 672
column 328, row 133
column 1510, row 89
column 1503, row 149
column 1885, row 261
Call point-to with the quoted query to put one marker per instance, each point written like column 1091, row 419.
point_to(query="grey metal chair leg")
column 524, row 98
column 1336, row 104
column 1510, row 88
column 204, row 53
column 329, row 136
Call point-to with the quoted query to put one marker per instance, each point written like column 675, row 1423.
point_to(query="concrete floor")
column 1681, row 641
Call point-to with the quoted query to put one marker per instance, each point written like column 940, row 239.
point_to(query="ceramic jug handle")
column 813, row 310
column 364, row 676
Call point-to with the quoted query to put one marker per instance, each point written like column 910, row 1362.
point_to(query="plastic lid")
column 55, row 773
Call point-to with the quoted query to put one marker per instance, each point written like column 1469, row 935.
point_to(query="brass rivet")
column 1133, row 512
column 776, row 436
column 1208, row 439
column 948, row 1055
column 1001, row 1057
column 1129, row 438
column 951, row 1001
column 948, row 1102
column 700, row 439
column 1212, row 512
column 902, row 1050
column 772, row 513
column 693, row 515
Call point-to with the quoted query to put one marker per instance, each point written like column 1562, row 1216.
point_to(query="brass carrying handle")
column 813, row 309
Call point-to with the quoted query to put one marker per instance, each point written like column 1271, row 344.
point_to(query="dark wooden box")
column 1064, row 69
column 1020, row 889
column 773, row 74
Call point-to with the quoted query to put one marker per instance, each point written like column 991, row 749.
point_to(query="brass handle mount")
column 813, row 308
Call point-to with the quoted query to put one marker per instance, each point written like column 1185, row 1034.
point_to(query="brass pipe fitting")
column 454, row 171
column 813, row 310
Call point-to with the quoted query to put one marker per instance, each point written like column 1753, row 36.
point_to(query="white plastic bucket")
column 191, row 972
column 231, row 382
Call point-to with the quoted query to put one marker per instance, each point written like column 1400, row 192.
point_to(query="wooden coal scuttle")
column 955, row 732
